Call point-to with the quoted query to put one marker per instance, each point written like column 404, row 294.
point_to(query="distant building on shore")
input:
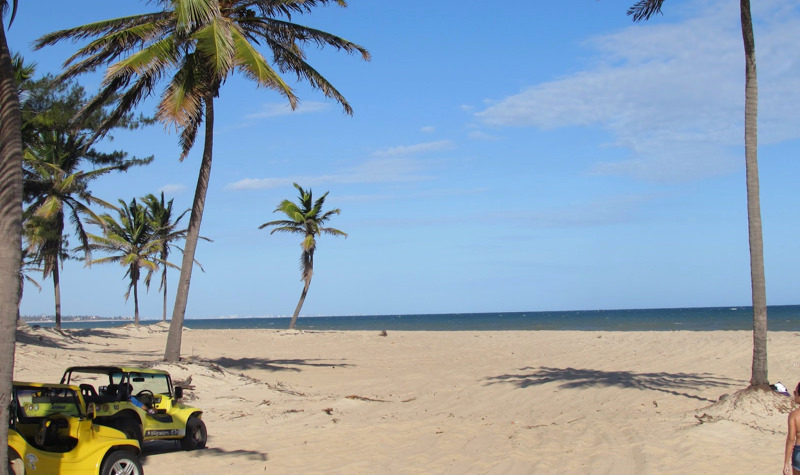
column 71, row 318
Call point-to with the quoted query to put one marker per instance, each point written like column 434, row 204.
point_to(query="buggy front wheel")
column 121, row 462
column 196, row 434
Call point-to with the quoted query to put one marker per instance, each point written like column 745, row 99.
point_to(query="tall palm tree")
column 308, row 220
column 132, row 242
column 166, row 231
column 56, row 188
column 10, row 219
column 200, row 42
column 643, row 10
column 27, row 265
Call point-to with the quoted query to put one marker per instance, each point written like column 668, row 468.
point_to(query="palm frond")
column 215, row 43
column 256, row 68
column 644, row 9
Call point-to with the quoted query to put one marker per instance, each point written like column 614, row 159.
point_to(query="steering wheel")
column 146, row 397
column 47, row 428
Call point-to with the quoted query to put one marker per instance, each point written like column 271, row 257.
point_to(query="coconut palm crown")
column 199, row 43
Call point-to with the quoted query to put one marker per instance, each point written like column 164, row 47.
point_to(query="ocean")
column 779, row 318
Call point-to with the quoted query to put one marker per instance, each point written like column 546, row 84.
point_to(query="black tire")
column 131, row 428
column 196, row 434
column 121, row 462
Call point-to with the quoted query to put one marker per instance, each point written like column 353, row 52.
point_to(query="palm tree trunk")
column 136, row 303
column 10, row 228
column 57, row 293
column 164, row 306
column 173, row 350
column 759, row 375
column 300, row 304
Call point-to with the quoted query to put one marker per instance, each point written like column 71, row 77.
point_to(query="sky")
column 548, row 156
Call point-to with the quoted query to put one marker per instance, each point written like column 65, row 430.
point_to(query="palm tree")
column 166, row 231
column 307, row 220
column 643, row 10
column 10, row 219
column 132, row 242
column 203, row 42
column 55, row 189
column 26, row 265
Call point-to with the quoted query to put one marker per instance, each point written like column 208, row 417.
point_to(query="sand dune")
column 454, row 402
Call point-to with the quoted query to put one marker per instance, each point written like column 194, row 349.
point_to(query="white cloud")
column 414, row 149
column 673, row 92
column 173, row 189
column 283, row 108
column 428, row 129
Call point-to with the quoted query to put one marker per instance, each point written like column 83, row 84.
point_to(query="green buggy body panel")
column 142, row 402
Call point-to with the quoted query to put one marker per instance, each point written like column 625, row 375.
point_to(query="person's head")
column 797, row 389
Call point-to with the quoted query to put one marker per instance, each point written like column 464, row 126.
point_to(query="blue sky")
column 549, row 156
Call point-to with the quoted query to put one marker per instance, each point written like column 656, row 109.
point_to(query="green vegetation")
column 307, row 219
column 198, row 44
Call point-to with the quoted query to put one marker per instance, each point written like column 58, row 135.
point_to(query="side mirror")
column 91, row 410
column 178, row 392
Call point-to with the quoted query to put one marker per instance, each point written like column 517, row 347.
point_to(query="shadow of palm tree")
column 158, row 447
column 94, row 332
column 271, row 365
column 31, row 338
column 678, row 384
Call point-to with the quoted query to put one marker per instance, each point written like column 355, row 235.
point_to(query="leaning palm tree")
column 131, row 242
column 10, row 220
column 643, row 10
column 166, row 230
column 200, row 43
column 307, row 219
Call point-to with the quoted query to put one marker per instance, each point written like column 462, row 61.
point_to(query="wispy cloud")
column 282, row 109
column 387, row 170
column 600, row 211
column 416, row 149
column 173, row 189
column 483, row 136
column 672, row 93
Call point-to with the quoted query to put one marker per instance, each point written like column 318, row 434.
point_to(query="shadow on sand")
column 94, row 332
column 271, row 365
column 677, row 384
column 158, row 447
column 50, row 337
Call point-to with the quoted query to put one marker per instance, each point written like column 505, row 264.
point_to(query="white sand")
column 453, row 402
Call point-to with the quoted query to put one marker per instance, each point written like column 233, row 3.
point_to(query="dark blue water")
column 779, row 318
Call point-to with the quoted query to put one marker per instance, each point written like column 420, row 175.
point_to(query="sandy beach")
column 279, row 401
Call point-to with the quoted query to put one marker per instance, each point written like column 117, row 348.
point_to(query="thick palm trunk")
column 10, row 230
column 300, row 304
column 173, row 350
column 759, row 375
column 57, row 294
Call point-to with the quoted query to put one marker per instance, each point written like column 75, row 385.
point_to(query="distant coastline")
column 36, row 319
column 780, row 318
